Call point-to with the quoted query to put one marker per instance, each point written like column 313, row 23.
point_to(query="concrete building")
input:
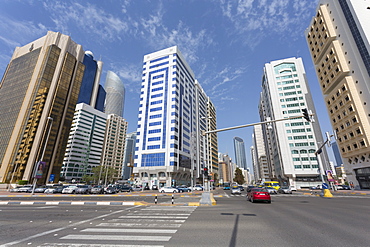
column 225, row 168
column 115, row 98
column 290, row 145
column 85, row 143
column 260, row 164
column 240, row 156
column 172, row 113
column 114, row 145
column 338, row 38
column 38, row 95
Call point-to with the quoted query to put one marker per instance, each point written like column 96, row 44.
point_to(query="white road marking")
column 152, row 217
column 128, row 230
column 96, row 245
column 139, row 225
column 118, row 238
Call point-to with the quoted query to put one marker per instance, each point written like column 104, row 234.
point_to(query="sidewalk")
column 340, row 192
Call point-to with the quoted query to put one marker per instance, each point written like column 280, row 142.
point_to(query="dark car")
column 259, row 194
column 241, row 188
column 126, row 188
column 154, row 187
column 249, row 187
column 183, row 188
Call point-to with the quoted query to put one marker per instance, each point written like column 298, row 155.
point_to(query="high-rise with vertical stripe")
column 171, row 116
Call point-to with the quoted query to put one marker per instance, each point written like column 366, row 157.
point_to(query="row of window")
column 306, row 166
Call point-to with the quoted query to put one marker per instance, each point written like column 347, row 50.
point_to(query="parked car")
column 15, row 189
column 70, row 189
column 285, row 190
column 83, row 189
column 154, row 187
column 259, row 194
column 318, row 187
column 40, row 189
column 26, row 188
column 271, row 190
column 343, row 187
column 183, row 188
column 136, row 188
column 168, row 190
column 235, row 190
column 97, row 189
column 54, row 190
column 110, row 190
column 126, row 188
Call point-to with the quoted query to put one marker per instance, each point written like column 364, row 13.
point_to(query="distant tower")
column 90, row 81
column 115, row 94
column 38, row 95
column 240, row 156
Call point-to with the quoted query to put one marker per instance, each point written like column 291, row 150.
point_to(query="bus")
column 273, row 184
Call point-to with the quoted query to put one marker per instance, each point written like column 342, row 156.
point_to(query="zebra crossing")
column 142, row 227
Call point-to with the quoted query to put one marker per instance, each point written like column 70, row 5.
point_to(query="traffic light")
column 305, row 115
column 205, row 171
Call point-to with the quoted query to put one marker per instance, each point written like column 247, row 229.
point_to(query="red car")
column 259, row 194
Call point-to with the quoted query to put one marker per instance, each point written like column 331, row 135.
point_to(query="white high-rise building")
column 260, row 165
column 290, row 145
column 172, row 114
column 339, row 41
column 85, row 143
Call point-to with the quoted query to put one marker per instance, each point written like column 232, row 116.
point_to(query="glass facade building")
column 38, row 94
column 240, row 155
column 115, row 97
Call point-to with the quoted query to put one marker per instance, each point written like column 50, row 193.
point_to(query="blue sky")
column 226, row 43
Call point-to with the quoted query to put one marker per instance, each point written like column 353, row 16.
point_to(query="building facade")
column 129, row 154
column 85, row 143
column 90, row 82
column 240, row 156
column 38, row 95
column 338, row 38
column 172, row 114
column 115, row 97
column 260, row 164
column 114, row 145
column 291, row 144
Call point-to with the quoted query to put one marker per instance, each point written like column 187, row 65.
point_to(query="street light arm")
column 252, row 124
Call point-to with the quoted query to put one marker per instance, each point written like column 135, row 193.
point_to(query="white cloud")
column 89, row 18
column 255, row 20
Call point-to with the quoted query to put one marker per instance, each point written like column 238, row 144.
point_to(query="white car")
column 70, row 190
column 197, row 187
column 168, row 190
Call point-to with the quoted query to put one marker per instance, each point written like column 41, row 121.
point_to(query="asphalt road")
column 290, row 220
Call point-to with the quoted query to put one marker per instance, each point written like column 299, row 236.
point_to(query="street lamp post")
column 39, row 163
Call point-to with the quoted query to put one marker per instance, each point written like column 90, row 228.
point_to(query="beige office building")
column 38, row 95
column 338, row 39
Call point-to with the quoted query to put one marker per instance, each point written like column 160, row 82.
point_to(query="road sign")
column 325, row 186
column 51, row 178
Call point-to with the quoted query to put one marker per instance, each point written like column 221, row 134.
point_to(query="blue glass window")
column 154, row 131
column 156, row 159
column 151, row 139
column 155, row 123
column 156, row 109
column 154, row 147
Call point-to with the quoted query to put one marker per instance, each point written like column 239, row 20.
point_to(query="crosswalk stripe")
column 147, row 220
column 139, row 225
column 95, row 245
column 130, row 230
column 117, row 238
column 151, row 216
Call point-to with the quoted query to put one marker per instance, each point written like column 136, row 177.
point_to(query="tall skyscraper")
column 90, row 81
column 129, row 155
column 115, row 97
column 240, row 156
column 338, row 38
column 291, row 144
column 85, row 143
column 260, row 164
column 38, row 95
column 172, row 114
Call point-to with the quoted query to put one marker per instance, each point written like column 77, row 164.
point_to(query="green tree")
column 239, row 178
column 101, row 175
